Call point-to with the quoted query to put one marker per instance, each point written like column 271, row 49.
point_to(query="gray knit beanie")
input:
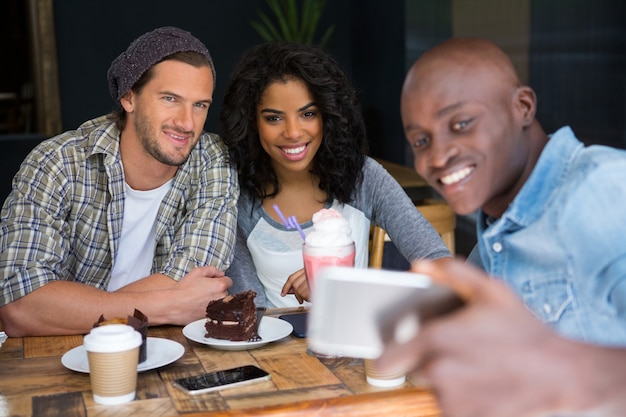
column 147, row 50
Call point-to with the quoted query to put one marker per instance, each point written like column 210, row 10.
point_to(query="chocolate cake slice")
column 232, row 317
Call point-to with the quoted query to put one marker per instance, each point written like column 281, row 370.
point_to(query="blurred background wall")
column 572, row 52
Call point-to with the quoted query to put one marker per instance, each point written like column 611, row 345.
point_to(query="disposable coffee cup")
column 382, row 378
column 113, row 354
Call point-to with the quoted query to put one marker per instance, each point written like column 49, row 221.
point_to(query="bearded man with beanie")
column 132, row 210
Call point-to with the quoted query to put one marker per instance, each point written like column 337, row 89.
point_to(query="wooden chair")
column 437, row 212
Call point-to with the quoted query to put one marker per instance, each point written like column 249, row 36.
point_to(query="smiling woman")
column 293, row 124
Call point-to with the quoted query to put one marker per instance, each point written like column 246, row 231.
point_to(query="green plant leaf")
column 291, row 17
column 269, row 27
column 281, row 18
column 290, row 24
column 262, row 31
column 308, row 22
column 327, row 35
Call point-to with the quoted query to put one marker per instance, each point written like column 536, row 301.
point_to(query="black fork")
column 260, row 311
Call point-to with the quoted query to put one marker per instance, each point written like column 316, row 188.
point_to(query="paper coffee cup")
column 382, row 378
column 113, row 354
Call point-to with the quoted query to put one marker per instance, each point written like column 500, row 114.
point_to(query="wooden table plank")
column 397, row 403
column 41, row 346
column 297, row 370
column 278, row 398
column 12, row 348
column 40, row 376
column 59, row 405
column 154, row 407
column 15, row 405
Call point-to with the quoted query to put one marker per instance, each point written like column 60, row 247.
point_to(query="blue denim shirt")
column 561, row 244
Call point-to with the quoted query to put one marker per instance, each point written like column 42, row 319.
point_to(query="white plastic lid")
column 112, row 338
column 394, row 382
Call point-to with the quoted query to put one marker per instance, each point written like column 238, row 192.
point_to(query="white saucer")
column 161, row 352
column 270, row 330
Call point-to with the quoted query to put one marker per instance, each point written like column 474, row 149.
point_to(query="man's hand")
column 196, row 289
column 493, row 358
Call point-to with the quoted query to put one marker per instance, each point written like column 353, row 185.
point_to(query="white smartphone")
column 228, row 378
column 355, row 312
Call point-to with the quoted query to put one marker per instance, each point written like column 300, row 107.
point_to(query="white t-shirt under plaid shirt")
column 63, row 219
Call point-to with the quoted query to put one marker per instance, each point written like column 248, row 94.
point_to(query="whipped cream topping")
column 330, row 229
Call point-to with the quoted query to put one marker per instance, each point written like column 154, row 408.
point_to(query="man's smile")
column 457, row 176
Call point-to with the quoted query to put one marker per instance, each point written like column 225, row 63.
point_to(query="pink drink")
column 319, row 257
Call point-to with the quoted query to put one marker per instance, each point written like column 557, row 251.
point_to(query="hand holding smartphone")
column 357, row 311
column 228, row 378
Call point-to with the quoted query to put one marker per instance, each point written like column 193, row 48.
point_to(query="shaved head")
column 469, row 58
column 471, row 124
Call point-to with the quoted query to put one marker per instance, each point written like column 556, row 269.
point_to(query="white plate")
column 270, row 330
column 161, row 352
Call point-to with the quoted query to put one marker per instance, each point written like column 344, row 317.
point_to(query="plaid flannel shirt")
column 63, row 218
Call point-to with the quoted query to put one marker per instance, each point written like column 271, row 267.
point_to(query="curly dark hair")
column 340, row 158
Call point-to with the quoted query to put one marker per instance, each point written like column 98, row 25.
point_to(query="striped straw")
column 290, row 223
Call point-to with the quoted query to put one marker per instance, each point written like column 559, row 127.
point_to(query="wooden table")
column 33, row 382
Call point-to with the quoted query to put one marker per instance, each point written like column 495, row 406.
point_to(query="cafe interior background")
column 572, row 52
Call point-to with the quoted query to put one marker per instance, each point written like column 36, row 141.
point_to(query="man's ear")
column 128, row 101
column 525, row 101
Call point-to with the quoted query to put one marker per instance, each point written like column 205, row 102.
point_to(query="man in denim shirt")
column 550, row 223
column 551, row 228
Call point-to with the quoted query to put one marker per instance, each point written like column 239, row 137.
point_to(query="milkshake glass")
column 328, row 244
column 317, row 257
